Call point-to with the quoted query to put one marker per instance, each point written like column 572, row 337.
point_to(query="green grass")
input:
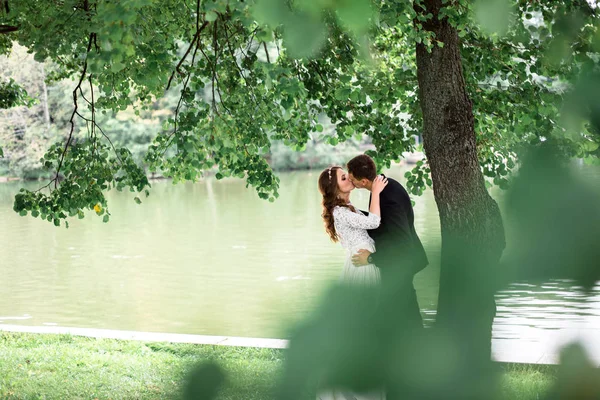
column 70, row 367
column 527, row 382
column 36, row 366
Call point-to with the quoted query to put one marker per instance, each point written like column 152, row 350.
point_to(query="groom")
column 400, row 254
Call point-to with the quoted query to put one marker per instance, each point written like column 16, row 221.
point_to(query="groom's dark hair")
column 362, row 167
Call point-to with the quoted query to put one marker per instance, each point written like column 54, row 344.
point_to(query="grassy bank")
column 36, row 366
column 69, row 367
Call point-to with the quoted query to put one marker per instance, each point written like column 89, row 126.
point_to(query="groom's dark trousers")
column 399, row 255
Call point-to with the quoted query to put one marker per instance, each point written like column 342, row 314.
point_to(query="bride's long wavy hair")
column 329, row 189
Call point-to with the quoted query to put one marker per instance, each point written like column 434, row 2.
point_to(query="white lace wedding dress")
column 351, row 228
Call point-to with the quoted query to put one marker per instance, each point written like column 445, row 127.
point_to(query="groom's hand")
column 361, row 257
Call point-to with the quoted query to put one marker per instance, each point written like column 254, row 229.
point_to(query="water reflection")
column 211, row 258
column 540, row 319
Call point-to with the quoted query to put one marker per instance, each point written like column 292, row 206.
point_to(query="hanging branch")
column 215, row 81
column 259, row 103
column 248, row 48
column 172, row 135
column 215, row 43
column 212, row 67
column 8, row 28
column 277, row 45
column 83, row 97
column 234, row 59
column 233, row 56
column 92, row 103
column 187, row 52
column 214, row 76
column 93, row 130
column 72, row 120
column 266, row 52
column 187, row 80
column 318, row 70
column 195, row 39
column 93, row 120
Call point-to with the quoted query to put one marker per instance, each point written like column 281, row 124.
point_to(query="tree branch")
column 251, row 40
column 71, row 121
column 214, row 67
column 172, row 135
column 95, row 124
column 8, row 29
column 187, row 52
column 109, row 141
column 266, row 52
column 233, row 56
column 93, row 130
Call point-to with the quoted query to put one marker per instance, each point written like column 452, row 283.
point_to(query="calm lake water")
column 211, row 258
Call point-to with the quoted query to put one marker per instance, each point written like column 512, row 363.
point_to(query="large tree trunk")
column 472, row 230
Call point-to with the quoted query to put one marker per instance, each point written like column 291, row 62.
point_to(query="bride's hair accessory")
column 329, row 172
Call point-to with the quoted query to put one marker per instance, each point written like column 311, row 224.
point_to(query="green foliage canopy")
column 248, row 73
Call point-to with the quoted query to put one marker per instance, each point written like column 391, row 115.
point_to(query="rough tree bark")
column 471, row 224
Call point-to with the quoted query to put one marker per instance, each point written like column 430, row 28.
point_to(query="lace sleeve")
column 346, row 216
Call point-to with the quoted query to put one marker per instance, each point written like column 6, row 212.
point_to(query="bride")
column 349, row 226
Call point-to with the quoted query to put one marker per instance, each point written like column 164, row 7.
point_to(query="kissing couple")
column 382, row 246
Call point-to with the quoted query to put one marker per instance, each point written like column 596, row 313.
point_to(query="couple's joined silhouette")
column 383, row 249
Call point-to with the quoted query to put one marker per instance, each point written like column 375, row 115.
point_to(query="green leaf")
column 210, row 16
column 116, row 67
column 355, row 14
column 270, row 12
column 265, row 35
column 303, row 36
column 589, row 146
column 137, row 200
column 342, row 93
column 493, row 16
column 106, row 218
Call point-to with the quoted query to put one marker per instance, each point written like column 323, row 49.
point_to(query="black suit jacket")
column 396, row 242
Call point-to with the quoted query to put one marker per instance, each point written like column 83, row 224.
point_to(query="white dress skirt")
column 351, row 228
column 360, row 276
